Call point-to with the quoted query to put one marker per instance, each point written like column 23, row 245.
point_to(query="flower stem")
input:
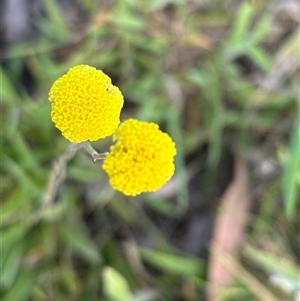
column 58, row 173
column 95, row 155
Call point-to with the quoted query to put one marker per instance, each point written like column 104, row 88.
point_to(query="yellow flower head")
column 142, row 160
column 85, row 104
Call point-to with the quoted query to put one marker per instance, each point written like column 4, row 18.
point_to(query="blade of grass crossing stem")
column 292, row 172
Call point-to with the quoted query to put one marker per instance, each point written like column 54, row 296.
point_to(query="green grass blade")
column 292, row 172
column 244, row 17
column 57, row 17
column 8, row 92
column 174, row 264
column 260, row 57
column 115, row 286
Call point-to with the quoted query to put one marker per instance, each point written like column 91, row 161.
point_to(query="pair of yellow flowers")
column 86, row 106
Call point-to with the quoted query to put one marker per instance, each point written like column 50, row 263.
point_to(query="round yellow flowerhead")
column 142, row 160
column 85, row 104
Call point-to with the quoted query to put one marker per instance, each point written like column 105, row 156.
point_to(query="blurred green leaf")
column 21, row 288
column 292, row 171
column 115, row 286
column 54, row 213
column 113, row 257
column 160, row 4
column 243, row 20
column 16, row 207
column 261, row 58
column 127, row 19
column 260, row 29
column 57, row 18
column 174, row 264
column 21, row 176
column 11, row 120
column 25, row 154
column 162, row 205
column 75, row 234
column 9, row 93
column 244, row 39
column 286, row 283
column 10, row 234
column 272, row 263
column 11, row 256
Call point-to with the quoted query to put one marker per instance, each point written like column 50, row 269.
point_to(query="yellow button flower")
column 85, row 104
column 142, row 160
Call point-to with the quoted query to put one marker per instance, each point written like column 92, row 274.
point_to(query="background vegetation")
column 220, row 78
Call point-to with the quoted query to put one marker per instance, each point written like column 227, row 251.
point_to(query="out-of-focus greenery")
column 215, row 75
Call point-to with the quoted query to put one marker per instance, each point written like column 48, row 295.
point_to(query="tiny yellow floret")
column 85, row 104
column 142, row 160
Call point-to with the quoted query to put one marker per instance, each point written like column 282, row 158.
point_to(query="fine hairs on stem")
column 58, row 172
